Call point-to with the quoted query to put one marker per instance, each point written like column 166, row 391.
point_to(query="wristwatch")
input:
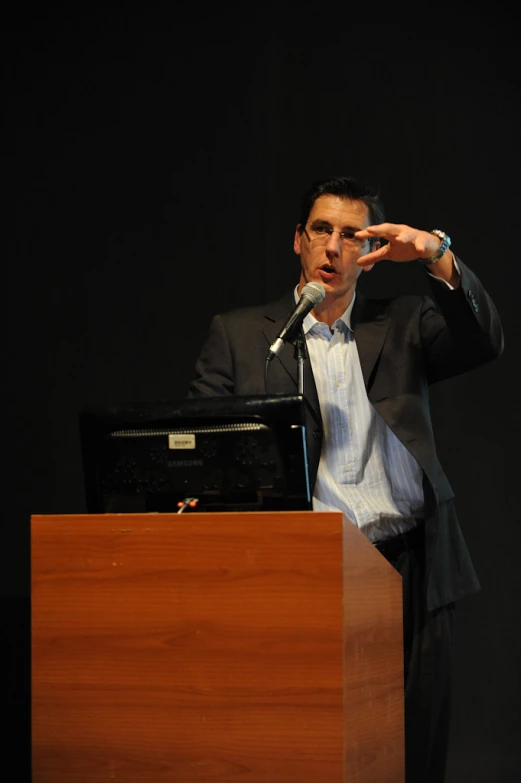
column 445, row 244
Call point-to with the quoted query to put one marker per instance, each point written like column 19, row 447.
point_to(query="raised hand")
column 402, row 243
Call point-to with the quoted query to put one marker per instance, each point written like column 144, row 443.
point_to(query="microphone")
column 312, row 295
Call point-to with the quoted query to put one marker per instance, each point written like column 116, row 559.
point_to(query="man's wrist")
column 445, row 243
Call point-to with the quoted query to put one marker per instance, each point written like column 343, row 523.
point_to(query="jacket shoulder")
column 273, row 310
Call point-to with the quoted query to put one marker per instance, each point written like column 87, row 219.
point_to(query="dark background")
column 154, row 163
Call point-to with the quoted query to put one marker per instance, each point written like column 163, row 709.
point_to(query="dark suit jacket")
column 405, row 344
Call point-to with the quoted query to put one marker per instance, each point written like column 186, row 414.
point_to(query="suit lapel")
column 275, row 316
column 370, row 323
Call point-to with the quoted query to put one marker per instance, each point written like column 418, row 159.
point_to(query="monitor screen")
column 240, row 453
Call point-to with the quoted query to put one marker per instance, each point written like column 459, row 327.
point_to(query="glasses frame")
column 353, row 242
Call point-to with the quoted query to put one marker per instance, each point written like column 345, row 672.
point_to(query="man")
column 370, row 442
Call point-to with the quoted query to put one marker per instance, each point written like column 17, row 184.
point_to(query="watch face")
column 443, row 236
column 445, row 244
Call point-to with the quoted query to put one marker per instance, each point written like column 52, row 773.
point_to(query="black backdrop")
column 155, row 162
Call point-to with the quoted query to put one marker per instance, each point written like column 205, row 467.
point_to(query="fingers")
column 390, row 231
column 373, row 257
column 380, row 230
column 403, row 243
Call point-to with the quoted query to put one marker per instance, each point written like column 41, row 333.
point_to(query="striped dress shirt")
column 364, row 470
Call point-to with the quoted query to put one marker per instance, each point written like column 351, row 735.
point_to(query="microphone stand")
column 300, row 355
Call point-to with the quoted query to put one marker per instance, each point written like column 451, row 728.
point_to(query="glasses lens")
column 319, row 235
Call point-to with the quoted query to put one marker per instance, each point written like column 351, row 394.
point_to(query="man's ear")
column 296, row 240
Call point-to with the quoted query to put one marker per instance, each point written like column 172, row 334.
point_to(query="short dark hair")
column 345, row 187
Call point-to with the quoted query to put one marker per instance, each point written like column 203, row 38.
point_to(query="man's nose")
column 334, row 242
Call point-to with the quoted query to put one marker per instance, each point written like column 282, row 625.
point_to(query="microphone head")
column 314, row 291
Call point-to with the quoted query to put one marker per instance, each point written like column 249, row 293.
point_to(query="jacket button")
column 473, row 300
column 316, row 434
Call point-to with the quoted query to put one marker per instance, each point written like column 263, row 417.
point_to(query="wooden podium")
column 219, row 647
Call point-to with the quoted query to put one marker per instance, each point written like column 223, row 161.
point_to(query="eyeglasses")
column 319, row 235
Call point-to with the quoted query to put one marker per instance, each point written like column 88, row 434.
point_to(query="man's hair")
column 345, row 187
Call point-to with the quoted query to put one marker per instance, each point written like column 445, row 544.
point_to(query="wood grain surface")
column 211, row 647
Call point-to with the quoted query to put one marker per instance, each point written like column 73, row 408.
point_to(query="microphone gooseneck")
column 312, row 295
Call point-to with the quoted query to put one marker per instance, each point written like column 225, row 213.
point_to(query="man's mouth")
column 327, row 270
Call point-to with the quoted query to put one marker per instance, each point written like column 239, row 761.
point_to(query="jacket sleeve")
column 462, row 330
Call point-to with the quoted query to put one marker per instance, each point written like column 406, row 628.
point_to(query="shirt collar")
column 310, row 320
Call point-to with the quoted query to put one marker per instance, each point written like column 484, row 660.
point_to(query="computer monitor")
column 240, row 453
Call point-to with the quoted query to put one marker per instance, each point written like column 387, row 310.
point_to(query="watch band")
column 445, row 244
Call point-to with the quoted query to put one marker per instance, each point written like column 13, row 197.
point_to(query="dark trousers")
column 428, row 664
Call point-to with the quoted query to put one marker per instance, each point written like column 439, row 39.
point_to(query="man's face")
column 327, row 248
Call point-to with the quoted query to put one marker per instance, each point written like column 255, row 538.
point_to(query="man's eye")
column 348, row 234
column 321, row 229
